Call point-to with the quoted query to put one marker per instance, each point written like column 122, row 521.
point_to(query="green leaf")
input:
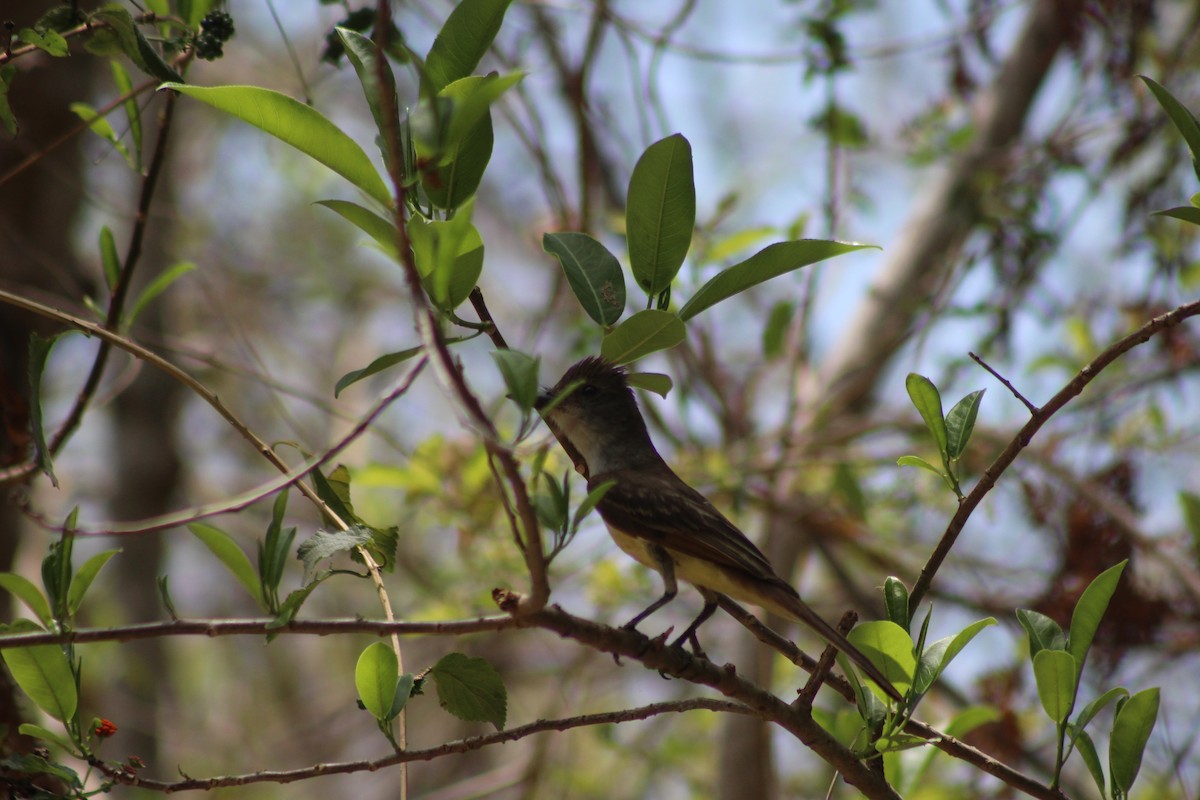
column 1087, row 751
column 449, row 256
column 450, row 184
column 375, row 677
column 44, row 673
column 334, row 491
column 38, row 732
column 24, row 590
column 222, row 545
column 889, row 647
column 101, row 127
column 157, row 286
column 520, row 373
column 645, row 332
column 593, row 273
column 1130, row 732
column 778, row 322
column 550, row 502
column 770, row 262
column 367, row 221
column 7, row 118
column 652, row 382
column 938, row 655
column 132, row 113
column 39, row 352
column 109, row 258
column 463, row 41
column 131, row 42
column 660, row 212
column 589, row 502
column 971, row 718
column 895, row 600
column 1186, row 213
column 376, row 366
column 296, row 124
column 291, row 605
column 1190, row 504
column 84, row 577
column 326, row 544
column 471, row 689
column 928, row 402
column 1055, row 672
column 364, row 56
column 1044, row 633
column 404, row 688
column 960, row 423
column 1096, row 706
column 472, row 98
column 1090, row 610
column 50, row 42
column 1183, row 119
column 917, row 461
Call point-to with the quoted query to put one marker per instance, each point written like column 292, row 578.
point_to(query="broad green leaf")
column 960, row 423
column 50, row 42
column 334, row 491
column 1096, row 706
column 364, row 57
column 222, row 545
column 375, row 677
column 1131, row 730
column 39, row 352
column 449, row 256
column 378, row 365
column 520, row 373
column 326, row 544
column 889, row 647
column 109, row 258
column 7, row 118
column 1087, row 751
column 770, row 262
column 1055, row 672
column 1044, row 633
column 404, row 687
column 593, row 273
column 1183, row 119
column 660, row 213
column 971, row 718
column 296, row 124
column 652, row 382
column 381, row 230
column 928, row 402
column 463, row 41
column 645, row 332
column 938, row 655
column 132, row 113
column 450, row 185
column 44, row 673
column 471, row 97
column 24, row 590
column 895, row 600
column 38, row 732
column 1186, row 213
column 84, row 577
column 471, row 689
column 1090, row 610
column 132, row 43
column 157, row 286
column 102, row 128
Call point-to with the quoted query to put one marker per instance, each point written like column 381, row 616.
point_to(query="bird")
column 654, row 516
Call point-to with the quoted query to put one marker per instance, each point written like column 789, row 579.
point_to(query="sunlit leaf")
column 645, row 332
column 660, row 213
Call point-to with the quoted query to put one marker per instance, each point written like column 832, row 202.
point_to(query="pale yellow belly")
column 688, row 568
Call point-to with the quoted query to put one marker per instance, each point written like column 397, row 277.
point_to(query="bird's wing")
column 659, row 507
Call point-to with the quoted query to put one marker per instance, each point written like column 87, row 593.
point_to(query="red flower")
column 105, row 728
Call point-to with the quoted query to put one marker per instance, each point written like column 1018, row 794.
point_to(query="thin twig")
column 1027, row 432
column 1032, row 408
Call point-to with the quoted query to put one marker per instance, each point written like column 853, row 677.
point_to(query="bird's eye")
column 588, row 390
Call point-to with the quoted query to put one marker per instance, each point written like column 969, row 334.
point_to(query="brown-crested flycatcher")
column 657, row 518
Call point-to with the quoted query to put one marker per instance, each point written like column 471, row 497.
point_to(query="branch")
column 120, row 775
column 1026, row 434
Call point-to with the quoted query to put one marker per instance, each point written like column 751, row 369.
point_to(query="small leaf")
column 222, row 545
column 463, row 40
column 404, row 688
column 291, row 605
column 1183, row 119
column 296, row 124
column 889, row 647
column 1130, row 732
column 7, row 118
column 157, row 286
column 1044, row 633
column 472, row 98
column 364, row 57
column 938, row 655
column 928, row 402
column 39, row 352
column 132, row 113
column 1090, row 610
column 367, row 221
column 38, row 732
column 778, row 322
column 84, row 577
column 593, row 273
column 960, row 423
column 379, row 365
column 593, row 497
column 645, row 332
column 895, row 600
column 131, row 42
column 660, row 213
column 520, row 373
column 24, row 590
column 44, row 673
column 1056, row 672
column 326, row 544
column 334, row 491
column 1096, row 706
column 1185, row 213
column 1087, row 751
column 471, row 689
column 917, row 461
column 50, row 42
column 109, row 258
column 770, row 262
column 652, row 382
column 102, row 128
column 449, row 256
column 375, row 677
